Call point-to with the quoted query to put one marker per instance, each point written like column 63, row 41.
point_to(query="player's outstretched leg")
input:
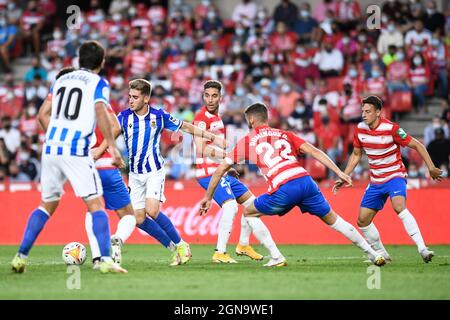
column 346, row 229
column 149, row 226
column 244, row 247
column 36, row 223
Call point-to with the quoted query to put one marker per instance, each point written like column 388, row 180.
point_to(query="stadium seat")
column 401, row 101
column 317, row 170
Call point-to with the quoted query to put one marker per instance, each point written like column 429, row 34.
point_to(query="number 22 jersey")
column 275, row 153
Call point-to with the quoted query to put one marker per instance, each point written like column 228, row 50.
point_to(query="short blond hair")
column 141, row 85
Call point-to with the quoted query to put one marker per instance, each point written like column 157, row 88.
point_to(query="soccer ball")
column 74, row 253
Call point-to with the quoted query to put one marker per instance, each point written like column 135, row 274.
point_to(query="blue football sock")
column 154, row 230
column 36, row 222
column 167, row 225
column 100, row 226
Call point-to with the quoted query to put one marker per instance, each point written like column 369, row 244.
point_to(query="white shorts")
column 80, row 171
column 146, row 185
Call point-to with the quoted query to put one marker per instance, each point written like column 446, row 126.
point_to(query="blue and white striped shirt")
column 73, row 117
column 142, row 136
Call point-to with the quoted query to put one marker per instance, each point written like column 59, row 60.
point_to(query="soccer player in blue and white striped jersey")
column 141, row 127
column 79, row 100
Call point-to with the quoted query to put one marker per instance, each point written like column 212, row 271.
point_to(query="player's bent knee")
column 125, row 211
column 94, row 204
column 49, row 207
column 140, row 216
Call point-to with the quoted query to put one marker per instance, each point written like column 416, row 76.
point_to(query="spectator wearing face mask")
column 287, row 100
column 10, row 135
column 211, row 21
column 347, row 45
column 329, row 60
column 397, row 74
column 391, row 36
column 375, row 85
column 27, row 164
column 28, row 124
column 300, row 113
column 418, row 78
column 306, row 26
column 286, row 11
column 245, row 13
column 354, row 78
column 237, row 103
column 429, row 133
column 373, row 59
column 434, row 20
column 11, row 97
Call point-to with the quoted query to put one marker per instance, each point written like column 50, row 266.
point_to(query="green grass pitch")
column 313, row 272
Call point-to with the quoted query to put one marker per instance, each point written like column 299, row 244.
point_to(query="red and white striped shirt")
column 382, row 146
column 212, row 123
column 274, row 151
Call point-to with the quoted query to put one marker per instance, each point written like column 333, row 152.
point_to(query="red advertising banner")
column 430, row 207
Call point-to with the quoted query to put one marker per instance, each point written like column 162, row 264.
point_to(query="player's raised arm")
column 325, row 160
column 104, row 124
column 435, row 173
column 205, row 203
column 207, row 150
column 197, row 132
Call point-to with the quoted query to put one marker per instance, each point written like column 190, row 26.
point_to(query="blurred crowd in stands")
column 311, row 66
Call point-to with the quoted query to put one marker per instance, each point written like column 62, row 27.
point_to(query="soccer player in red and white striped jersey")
column 381, row 140
column 276, row 152
column 231, row 191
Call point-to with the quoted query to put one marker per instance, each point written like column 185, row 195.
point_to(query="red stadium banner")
column 430, row 207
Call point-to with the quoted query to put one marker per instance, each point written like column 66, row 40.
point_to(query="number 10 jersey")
column 73, row 117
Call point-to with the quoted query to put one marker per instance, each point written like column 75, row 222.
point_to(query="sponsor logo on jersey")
column 401, row 133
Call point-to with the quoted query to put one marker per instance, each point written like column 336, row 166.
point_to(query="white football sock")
column 412, row 228
column 244, row 239
column 95, row 249
column 263, row 235
column 350, row 233
column 246, row 230
column 373, row 237
column 229, row 210
column 125, row 227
